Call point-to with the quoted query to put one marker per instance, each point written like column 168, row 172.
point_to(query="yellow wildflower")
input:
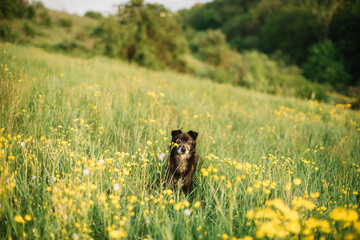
column 225, row 236
column 343, row 214
column 249, row 190
column 297, row 181
column 117, row 233
column 197, row 204
column 19, row 219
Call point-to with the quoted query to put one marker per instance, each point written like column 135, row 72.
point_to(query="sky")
column 107, row 6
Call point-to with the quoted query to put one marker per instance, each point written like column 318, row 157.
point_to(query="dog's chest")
column 182, row 162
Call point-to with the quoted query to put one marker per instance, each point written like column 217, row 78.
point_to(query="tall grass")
column 81, row 155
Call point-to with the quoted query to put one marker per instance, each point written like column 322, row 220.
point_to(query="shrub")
column 255, row 70
column 30, row 14
column 7, row 33
column 29, row 30
column 45, row 18
column 66, row 23
column 266, row 75
column 94, row 15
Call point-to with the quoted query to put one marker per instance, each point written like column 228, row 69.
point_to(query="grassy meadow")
column 84, row 142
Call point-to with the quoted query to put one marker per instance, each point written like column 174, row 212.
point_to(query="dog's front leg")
column 188, row 183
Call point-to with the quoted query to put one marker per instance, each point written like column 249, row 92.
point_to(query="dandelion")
column 28, row 218
column 116, row 187
column 343, row 214
column 177, row 206
column 151, row 94
column 19, row 219
column 250, row 214
column 169, row 191
column 357, row 226
column 187, row 212
column 297, row 181
column 117, row 233
column 249, row 190
column 132, row 199
column 225, row 236
column 299, row 202
column 22, row 144
column 247, row 238
column 101, row 161
column 197, row 204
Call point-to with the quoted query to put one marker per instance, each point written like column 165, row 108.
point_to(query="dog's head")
column 185, row 142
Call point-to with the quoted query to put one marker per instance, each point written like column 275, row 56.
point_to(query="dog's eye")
column 178, row 141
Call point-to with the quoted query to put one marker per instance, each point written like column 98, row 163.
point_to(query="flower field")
column 84, row 142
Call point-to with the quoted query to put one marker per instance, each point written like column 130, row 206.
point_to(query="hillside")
column 87, row 37
column 83, row 149
column 56, row 32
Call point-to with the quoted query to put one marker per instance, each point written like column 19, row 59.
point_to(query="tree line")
column 320, row 36
column 279, row 46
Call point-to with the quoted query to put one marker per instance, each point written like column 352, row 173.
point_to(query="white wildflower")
column 187, row 212
column 161, row 156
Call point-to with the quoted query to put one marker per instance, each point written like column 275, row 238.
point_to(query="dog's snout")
column 183, row 149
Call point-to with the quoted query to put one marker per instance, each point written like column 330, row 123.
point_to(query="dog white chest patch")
column 182, row 162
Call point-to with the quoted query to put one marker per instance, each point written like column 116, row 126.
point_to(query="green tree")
column 212, row 46
column 326, row 65
column 145, row 33
column 344, row 32
column 291, row 31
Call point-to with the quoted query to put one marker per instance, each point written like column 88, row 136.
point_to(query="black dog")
column 182, row 161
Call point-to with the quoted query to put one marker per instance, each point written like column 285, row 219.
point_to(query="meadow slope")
column 83, row 145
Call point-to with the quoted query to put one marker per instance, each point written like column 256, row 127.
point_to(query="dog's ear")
column 193, row 134
column 174, row 133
